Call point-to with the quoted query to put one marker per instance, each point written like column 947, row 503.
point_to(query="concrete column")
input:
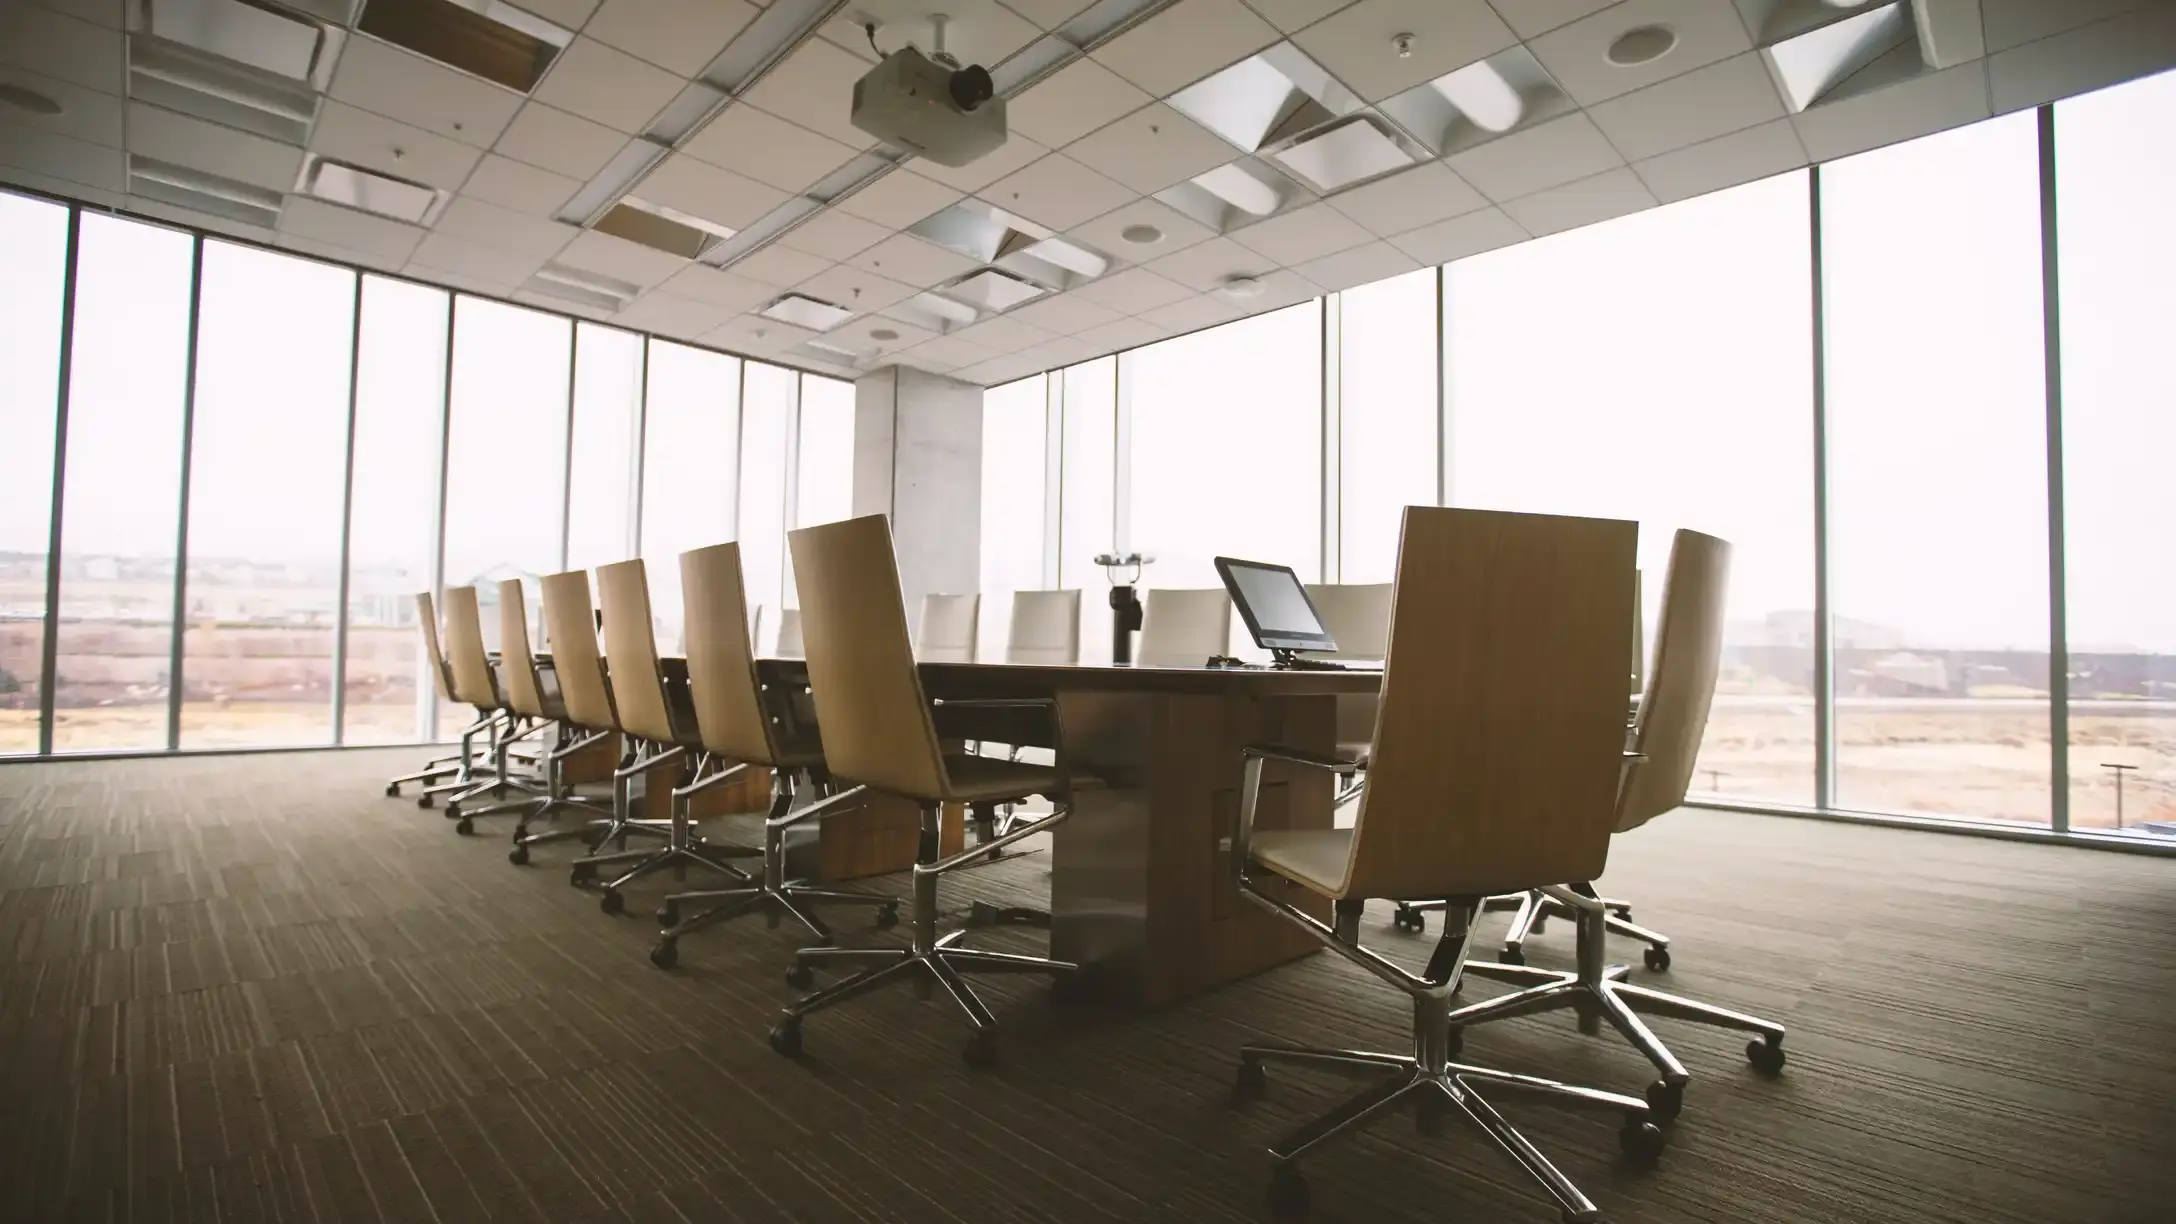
column 918, row 458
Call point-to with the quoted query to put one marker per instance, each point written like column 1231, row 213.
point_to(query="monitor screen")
column 1274, row 605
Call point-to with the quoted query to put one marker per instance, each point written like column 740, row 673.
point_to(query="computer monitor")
column 1275, row 606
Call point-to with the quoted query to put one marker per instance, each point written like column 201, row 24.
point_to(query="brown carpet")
column 251, row 988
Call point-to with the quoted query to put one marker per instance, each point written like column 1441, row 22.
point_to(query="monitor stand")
column 1292, row 660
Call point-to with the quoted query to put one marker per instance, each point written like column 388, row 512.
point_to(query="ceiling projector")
column 932, row 106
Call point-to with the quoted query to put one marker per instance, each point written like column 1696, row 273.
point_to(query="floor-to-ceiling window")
column 602, row 475
column 267, row 472
column 2115, row 177
column 1387, row 370
column 823, row 477
column 400, row 423
column 1088, row 475
column 1659, row 367
column 122, row 484
column 34, row 250
column 690, row 468
column 1937, row 434
column 768, row 398
column 1015, row 472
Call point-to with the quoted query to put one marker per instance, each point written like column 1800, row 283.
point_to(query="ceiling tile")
column 559, row 305
column 779, row 265
column 1133, row 291
column 686, row 318
column 319, row 249
column 1356, row 44
column 1612, row 193
column 715, row 195
column 1151, row 149
column 1577, row 54
column 86, row 114
column 1057, row 192
column 1003, row 334
column 909, row 260
column 766, row 148
column 752, row 333
column 1185, row 43
column 1923, row 104
column 898, row 200
column 1559, row 151
column 998, row 370
column 496, row 266
column 1726, row 161
column 1294, row 15
column 1362, row 265
column 519, row 186
column 814, row 88
column 1206, row 265
column 1124, row 334
column 473, row 220
column 224, row 151
column 54, row 45
column 834, row 235
column 2013, row 23
column 620, row 259
column 1016, row 152
column 1059, row 351
column 391, row 82
column 1700, row 105
column 952, row 352
column 859, row 291
column 682, row 36
column 609, row 86
column 73, row 161
column 1067, row 314
column 1528, row 18
column 558, row 141
column 1072, row 102
column 705, row 284
column 982, row 31
column 1047, row 14
column 1302, row 234
column 1201, row 310
column 378, row 237
column 1408, row 199
column 208, row 222
column 569, row 14
column 347, row 134
column 1460, row 236
column 860, row 334
column 108, row 13
column 1106, row 233
column 2136, row 44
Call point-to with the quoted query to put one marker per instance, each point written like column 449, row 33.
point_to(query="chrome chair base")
column 1597, row 992
column 931, row 961
column 1533, row 909
column 682, row 848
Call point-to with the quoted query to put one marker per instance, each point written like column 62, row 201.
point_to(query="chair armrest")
column 1251, row 758
column 1047, row 704
column 1295, row 756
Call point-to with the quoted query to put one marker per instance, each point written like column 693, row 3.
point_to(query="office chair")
column 879, row 735
column 1358, row 618
column 1183, row 628
column 477, row 685
column 458, row 766
column 950, row 628
column 1672, row 717
column 788, row 645
column 739, row 734
column 1499, row 749
column 659, row 731
column 1045, row 628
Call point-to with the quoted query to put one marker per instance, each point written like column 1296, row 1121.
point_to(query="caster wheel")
column 1253, row 1081
column 1511, row 956
column 580, row 874
column 1765, row 1055
column 463, row 826
column 612, row 903
column 392, row 790
column 1287, row 1192
column 887, row 916
column 1658, row 959
column 499, row 791
column 1411, row 921
column 1642, row 1142
column 980, row 914
column 666, row 954
column 518, row 856
column 800, row 976
column 668, row 914
column 1665, row 1100
column 786, row 1036
column 425, row 801
column 981, row 1050
column 1541, row 923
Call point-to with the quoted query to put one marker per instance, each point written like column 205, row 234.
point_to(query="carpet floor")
column 251, row 988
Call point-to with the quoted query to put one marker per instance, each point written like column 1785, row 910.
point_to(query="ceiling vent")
column 584, row 287
column 487, row 38
column 218, row 90
column 185, row 187
column 369, row 191
column 662, row 229
column 1479, row 102
column 1267, row 99
column 803, row 311
column 1358, row 149
column 993, row 291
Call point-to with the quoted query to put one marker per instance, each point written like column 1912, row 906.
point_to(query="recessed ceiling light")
column 883, row 335
column 368, row 190
column 1243, row 286
column 1643, row 45
column 22, row 97
column 1142, row 235
column 804, row 311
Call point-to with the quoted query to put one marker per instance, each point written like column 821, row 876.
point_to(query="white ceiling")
column 1092, row 142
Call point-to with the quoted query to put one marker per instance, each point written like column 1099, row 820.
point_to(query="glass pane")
column 1938, row 474
column 1014, row 420
column 507, row 456
column 607, row 441
column 1387, row 368
column 690, row 483
column 122, row 491
column 767, row 401
column 824, row 466
column 2119, row 380
column 1088, row 479
column 400, row 421
column 34, row 250
column 1227, row 448
column 1660, row 367
column 270, row 431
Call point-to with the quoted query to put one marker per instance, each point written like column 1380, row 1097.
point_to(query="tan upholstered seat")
column 981, row 779
column 951, row 625
column 461, row 767
column 1316, row 858
column 1182, row 628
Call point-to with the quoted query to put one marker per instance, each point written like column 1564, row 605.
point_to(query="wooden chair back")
column 1357, row 615
column 721, row 656
column 517, row 663
column 869, row 701
column 1499, row 748
column 1045, row 628
column 427, row 621
column 789, row 644
column 630, row 652
column 1182, row 628
column 572, row 633
column 473, row 682
column 1681, row 686
column 950, row 628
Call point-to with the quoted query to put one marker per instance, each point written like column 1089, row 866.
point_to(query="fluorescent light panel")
column 486, row 38
column 368, row 191
column 808, row 312
column 1355, row 150
column 249, row 34
column 661, row 228
column 208, row 87
column 205, row 192
column 993, row 291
